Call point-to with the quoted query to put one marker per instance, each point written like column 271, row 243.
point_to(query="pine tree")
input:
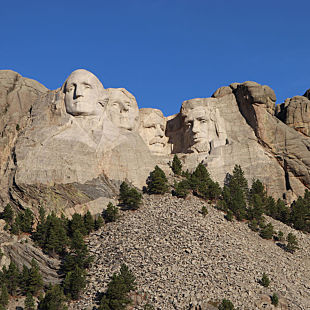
column 29, row 302
column 111, row 213
column 176, row 165
column 116, row 296
column 24, row 280
column 89, row 222
column 275, row 299
column 157, row 182
column 265, row 280
column 267, row 232
column 99, row 222
column 4, row 297
column 226, row 305
column 77, row 223
column 300, row 213
column 7, row 214
column 54, row 299
column 202, row 184
column 181, row 189
column 235, row 193
column 11, row 278
column 130, row 197
column 75, row 282
column 123, row 191
column 292, row 243
column 26, row 221
column 56, row 238
column 78, row 255
column 35, row 281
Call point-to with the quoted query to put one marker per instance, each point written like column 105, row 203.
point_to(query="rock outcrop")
column 70, row 148
column 17, row 97
column 286, row 145
column 21, row 251
column 295, row 112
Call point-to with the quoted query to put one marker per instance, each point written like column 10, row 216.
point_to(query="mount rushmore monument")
column 70, row 148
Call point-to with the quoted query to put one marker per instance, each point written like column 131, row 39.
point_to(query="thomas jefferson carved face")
column 152, row 130
column 122, row 109
column 84, row 94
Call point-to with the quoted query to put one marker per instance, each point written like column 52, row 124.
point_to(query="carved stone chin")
column 84, row 94
column 152, row 130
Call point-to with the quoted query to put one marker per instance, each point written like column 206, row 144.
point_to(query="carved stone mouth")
column 198, row 139
column 157, row 142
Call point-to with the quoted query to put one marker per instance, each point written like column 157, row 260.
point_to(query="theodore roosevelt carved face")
column 84, row 94
column 152, row 130
column 122, row 109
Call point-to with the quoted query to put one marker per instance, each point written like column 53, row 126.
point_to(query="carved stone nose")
column 78, row 91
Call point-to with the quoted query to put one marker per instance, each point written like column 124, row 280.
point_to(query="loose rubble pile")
column 181, row 258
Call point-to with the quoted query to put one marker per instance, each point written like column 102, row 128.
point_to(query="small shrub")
column 181, row 189
column 17, row 127
column 204, row 211
column 111, row 214
column 130, row 197
column 157, row 182
column 253, row 225
column 7, row 214
column 176, row 165
column 264, row 280
column 226, row 305
column 267, row 232
column 280, row 236
column 275, row 299
column 229, row 216
column 292, row 243
column 98, row 222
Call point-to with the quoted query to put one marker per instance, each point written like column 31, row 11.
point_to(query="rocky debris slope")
column 180, row 258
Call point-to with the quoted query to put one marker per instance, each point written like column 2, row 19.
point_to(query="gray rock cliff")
column 69, row 149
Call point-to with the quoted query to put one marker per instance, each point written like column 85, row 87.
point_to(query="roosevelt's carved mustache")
column 157, row 140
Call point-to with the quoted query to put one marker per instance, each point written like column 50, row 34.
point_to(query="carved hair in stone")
column 204, row 128
column 84, row 94
column 122, row 109
column 152, row 130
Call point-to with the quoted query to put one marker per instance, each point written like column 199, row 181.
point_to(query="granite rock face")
column 17, row 97
column 288, row 147
column 295, row 112
column 22, row 250
column 70, row 148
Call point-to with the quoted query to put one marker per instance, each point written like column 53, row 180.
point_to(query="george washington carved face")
column 84, row 94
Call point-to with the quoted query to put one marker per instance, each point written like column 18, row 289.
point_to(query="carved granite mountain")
column 69, row 149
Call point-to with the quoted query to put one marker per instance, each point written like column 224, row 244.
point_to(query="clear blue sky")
column 163, row 51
